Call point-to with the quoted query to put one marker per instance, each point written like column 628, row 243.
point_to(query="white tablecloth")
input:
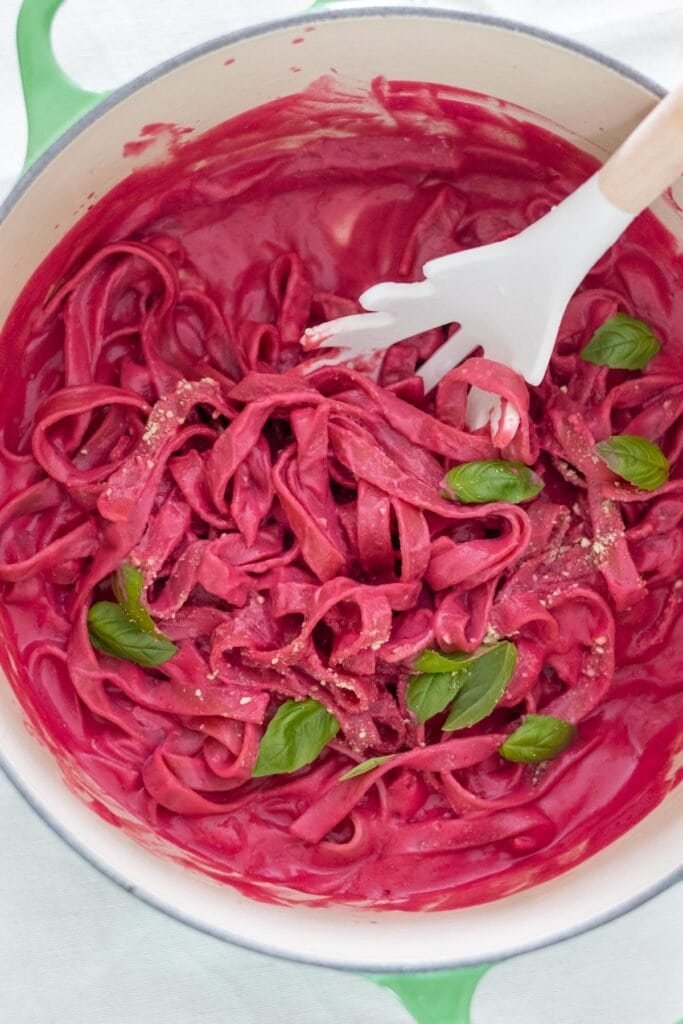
column 73, row 947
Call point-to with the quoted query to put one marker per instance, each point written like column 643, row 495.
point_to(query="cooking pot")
column 76, row 142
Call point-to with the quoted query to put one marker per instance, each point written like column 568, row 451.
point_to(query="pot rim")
column 23, row 183
column 119, row 879
column 28, row 175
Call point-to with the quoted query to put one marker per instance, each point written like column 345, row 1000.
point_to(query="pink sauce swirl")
column 291, row 530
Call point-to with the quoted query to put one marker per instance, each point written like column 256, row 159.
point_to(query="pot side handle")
column 440, row 997
column 319, row 5
column 53, row 101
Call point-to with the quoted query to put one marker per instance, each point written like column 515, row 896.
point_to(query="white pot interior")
column 589, row 102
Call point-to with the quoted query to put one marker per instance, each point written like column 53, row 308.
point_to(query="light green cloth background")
column 74, row 949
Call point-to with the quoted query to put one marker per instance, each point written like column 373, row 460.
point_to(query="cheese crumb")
column 490, row 636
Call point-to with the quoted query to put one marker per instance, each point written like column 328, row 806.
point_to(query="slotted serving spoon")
column 509, row 296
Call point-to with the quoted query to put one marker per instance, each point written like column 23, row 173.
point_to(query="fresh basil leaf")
column 435, row 661
column 484, row 684
column 112, row 632
column 431, row 693
column 364, row 766
column 622, row 343
column 475, row 483
column 538, row 738
column 128, row 583
column 635, row 459
column 295, row 736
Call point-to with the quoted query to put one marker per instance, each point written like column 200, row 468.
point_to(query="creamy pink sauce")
column 218, row 260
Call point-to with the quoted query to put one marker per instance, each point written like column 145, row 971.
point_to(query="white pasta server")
column 508, row 297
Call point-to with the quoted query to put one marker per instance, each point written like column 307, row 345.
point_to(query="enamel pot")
column 76, row 141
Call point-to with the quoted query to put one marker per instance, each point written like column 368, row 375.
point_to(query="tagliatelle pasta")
column 293, row 536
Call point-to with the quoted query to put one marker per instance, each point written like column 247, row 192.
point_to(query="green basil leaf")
column 295, row 736
column 475, row 483
column 431, row 693
column 112, row 632
column 622, row 343
column 364, row 766
column 635, row 459
column 128, row 584
column 435, row 661
column 484, row 684
column 538, row 738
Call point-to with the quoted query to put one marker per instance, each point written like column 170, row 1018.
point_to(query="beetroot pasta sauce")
column 275, row 544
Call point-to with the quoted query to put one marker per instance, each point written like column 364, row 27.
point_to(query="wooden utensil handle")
column 649, row 160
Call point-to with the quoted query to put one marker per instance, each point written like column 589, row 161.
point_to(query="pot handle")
column 319, row 5
column 439, row 997
column 53, row 101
